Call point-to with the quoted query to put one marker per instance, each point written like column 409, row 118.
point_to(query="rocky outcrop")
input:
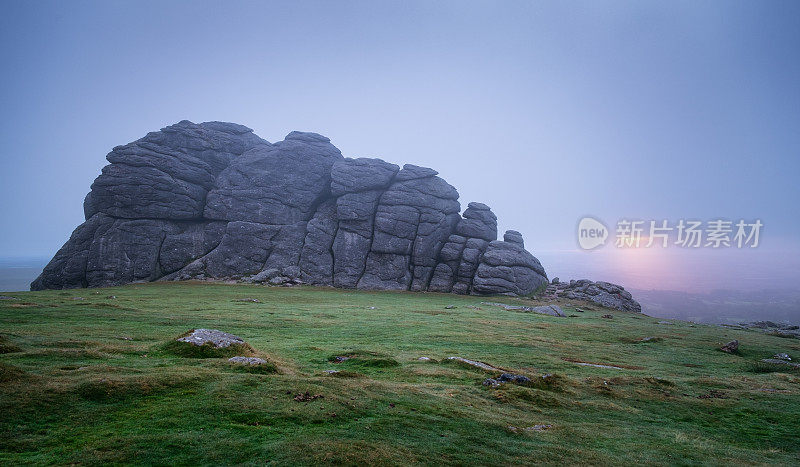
column 605, row 294
column 215, row 201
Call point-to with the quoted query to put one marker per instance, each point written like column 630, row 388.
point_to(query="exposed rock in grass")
column 474, row 363
column 240, row 360
column 424, row 359
column 782, row 356
column 364, row 359
column 214, row 337
column 731, row 347
column 6, row 297
column 599, row 365
column 651, row 339
column 249, row 300
column 608, row 316
column 253, row 364
column 780, row 361
column 775, row 329
column 209, row 343
column 506, row 378
column 784, row 334
column 551, row 310
column 263, row 276
column 450, row 307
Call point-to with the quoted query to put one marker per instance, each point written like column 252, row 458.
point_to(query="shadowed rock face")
column 215, row 201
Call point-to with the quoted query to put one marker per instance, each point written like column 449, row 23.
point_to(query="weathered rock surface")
column 506, row 378
column 605, row 294
column 213, row 337
column 778, row 361
column 730, row 347
column 215, row 201
column 247, row 361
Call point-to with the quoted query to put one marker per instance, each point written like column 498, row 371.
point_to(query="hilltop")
column 90, row 376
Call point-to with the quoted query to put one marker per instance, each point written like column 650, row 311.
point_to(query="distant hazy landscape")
column 16, row 274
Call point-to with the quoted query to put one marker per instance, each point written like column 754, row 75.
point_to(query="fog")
column 547, row 112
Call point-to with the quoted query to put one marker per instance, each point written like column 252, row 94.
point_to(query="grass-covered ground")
column 96, row 381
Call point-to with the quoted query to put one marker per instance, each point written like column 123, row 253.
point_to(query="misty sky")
column 546, row 111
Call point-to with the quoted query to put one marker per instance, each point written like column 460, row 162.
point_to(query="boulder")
column 731, row 347
column 512, row 236
column 212, row 337
column 605, row 294
column 215, row 201
column 507, row 268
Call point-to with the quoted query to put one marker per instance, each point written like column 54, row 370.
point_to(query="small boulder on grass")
column 209, row 343
column 247, row 361
column 253, row 364
column 731, row 347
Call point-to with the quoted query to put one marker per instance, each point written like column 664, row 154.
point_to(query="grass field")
column 94, row 380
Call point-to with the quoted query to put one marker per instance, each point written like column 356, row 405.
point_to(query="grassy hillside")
column 94, row 380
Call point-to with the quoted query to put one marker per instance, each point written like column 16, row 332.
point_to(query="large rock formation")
column 213, row 200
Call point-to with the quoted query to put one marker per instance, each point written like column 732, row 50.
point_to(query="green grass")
column 99, row 381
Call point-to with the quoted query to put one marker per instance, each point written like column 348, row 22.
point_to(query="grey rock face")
column 215, row 201
column 512, row 236
column 168, row 173
column 508, row 268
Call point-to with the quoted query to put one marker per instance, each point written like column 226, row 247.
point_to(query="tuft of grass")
column 766, row 367
column 10, row 373
column 641, row 340
column 7, row 347
column 551, row 382
column 538, row 398
column 262, row 369
column 346, row 374
column 364, row 359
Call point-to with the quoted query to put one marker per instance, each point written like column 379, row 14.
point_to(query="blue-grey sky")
column 546, row 111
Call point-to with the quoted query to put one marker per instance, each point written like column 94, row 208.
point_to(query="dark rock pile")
column 775, row 329
column 605, row 294
column 506, row 378
column 215, row 201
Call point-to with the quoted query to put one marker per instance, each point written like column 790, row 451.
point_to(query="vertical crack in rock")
column 213, row 200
